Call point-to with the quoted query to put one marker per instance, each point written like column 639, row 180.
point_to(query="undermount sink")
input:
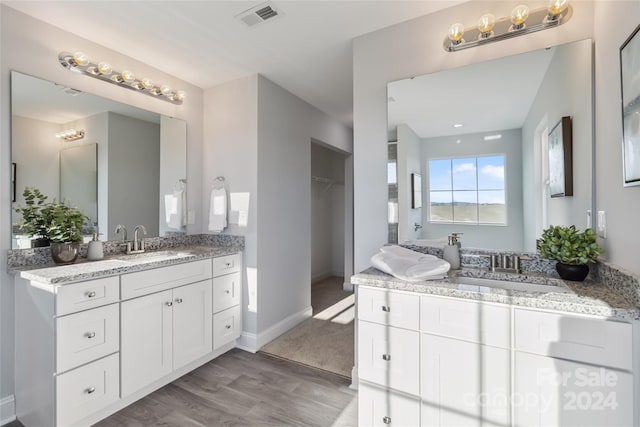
column 154, row 256
column 485, row 285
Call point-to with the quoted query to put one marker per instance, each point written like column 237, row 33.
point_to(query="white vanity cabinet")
column 461, row 362
column 88, row 349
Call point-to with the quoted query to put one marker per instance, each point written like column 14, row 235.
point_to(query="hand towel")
column 218, row 210
column 408, row 269
column 407, row 253
column 174, row 208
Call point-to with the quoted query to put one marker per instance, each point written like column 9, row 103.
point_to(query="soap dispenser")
column 451, row 252
column 95, row 250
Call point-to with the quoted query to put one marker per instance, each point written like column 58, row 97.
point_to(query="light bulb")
column 104, row 68
column 556, row 7
column 146, row 83
column 455, row 33
column 81, row 59
column 180, row 95
column 485, row 24
column 165, row 90
column 519, row 15
column 127, row 76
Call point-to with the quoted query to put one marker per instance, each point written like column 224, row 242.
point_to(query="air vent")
column 259, row 14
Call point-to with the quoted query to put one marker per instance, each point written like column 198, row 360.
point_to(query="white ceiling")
column 483, row 97
column 308, row 50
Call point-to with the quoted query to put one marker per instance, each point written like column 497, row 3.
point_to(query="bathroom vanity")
column 468, row 352
column 92, row 338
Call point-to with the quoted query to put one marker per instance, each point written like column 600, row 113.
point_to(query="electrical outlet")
column 601, row 227
column 191, row 217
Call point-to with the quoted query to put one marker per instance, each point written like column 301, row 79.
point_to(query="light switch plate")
column 191, row 217
column 589, row 221
column 601, row 227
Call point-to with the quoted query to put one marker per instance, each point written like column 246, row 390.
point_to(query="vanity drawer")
column 467, row 320
column 227, row 264
column 159, row 279
column 86, row 390
column 86, row 336
column 583, row 339
column 227, row 326
column 389, row 308
column 226, row 292
column 381, row 408
column 389, row 357
column 84, row 295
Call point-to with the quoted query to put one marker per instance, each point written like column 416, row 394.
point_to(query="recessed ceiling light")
column 458, row 141
column 457, row 125
column 492, row 137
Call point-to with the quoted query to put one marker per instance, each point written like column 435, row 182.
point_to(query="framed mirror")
column 128, row 166
column 479, row 137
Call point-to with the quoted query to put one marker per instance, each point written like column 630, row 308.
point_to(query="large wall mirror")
column 479, row 137
column 129, row 167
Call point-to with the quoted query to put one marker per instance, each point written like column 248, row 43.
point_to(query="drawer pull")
column 386, row 420
column 228, row 264
column 227, row 291
column 179, row 300
column 386, row 357
column 91, row 294
column 91, row 335
column 169, row 303
column 386, row 308
column 90, row 390
column 227, row 326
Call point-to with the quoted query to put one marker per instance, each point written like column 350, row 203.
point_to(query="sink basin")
column 154, row 256
column 485, row 285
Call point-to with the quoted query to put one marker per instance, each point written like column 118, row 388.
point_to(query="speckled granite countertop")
column 120, row 264
column 573, row 297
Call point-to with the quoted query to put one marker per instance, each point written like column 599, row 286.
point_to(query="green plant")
column 569, row 246
column 57, row 222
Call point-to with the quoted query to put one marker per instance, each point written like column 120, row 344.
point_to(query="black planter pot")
column 40, row 243
column 577, row 273
column 65, row 253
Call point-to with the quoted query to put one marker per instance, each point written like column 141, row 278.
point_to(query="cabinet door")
column 389, row 356
column 146, row 347
column 380, row 408
column 557, row 392
column 192, row 335
column 464, row 383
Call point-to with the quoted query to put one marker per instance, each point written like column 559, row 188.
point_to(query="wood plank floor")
column 244, row 389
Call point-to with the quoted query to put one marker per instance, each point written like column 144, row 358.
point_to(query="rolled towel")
column 408, row 269
column 407, row 253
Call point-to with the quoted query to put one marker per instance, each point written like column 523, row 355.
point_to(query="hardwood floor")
column 244, row 389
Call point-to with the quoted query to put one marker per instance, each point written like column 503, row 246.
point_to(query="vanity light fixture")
column 521, row 21
column 80, row 63
column 70, row 135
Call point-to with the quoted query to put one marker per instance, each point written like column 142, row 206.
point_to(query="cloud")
column 493, row 171
column 465, row 168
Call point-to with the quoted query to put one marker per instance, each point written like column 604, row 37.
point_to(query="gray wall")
column 506, row 237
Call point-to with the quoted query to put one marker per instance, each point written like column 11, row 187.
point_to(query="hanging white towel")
column 174, row 207
column 218, row 210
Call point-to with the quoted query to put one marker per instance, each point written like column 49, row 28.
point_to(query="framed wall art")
column 561, row 159
column 630, row 79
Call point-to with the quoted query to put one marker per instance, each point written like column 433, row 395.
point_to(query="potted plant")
column 574, row 250
column 58, row 223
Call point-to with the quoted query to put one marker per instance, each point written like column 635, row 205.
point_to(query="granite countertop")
column 119, row 264
column 572, row 297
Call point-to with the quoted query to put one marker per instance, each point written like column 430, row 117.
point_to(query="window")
column 467, row 190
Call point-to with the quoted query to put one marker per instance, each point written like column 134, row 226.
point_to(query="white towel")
column 174, row 209
column 408, row 269
column 218, row 210
column 407, row 253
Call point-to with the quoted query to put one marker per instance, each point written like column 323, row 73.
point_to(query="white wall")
column 614, row 22
column 506, row 237
column 409, row 155
column 564, row 91
column 410, row 49
column 31, row 46
column 173, row 164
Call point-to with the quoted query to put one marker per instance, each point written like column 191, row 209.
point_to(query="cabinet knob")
column 227, row 291
column 227, row 326
column 91, row 335
column 386, row 357
column 169, row 303
column 386, row 420
column 386, row 308
column 90, row 390
column 227, row 264
column 91, row 294
column 178, row 300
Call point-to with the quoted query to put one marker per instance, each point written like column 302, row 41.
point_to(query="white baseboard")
column 253, row 342
column 354, row 378
column 347, row 286
column 7, row 409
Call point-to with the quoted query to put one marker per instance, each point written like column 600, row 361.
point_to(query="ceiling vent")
column 259, row 14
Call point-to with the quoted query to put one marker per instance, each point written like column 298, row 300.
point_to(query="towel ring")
column 219, row 182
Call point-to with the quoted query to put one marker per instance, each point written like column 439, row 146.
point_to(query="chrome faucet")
column 123, row 229
column 138, row 245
